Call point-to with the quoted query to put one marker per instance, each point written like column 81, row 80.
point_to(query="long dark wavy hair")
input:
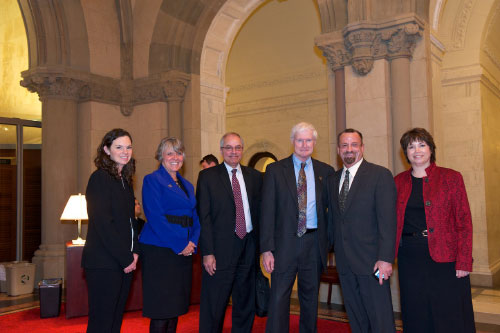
column 103, row 161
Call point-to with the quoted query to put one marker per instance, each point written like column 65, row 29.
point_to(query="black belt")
column 183, row 221
column 422, row 233
column 311, row 230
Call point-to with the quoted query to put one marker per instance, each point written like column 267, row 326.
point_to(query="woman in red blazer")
column 433, row 242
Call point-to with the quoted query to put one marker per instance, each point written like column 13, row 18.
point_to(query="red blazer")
column 447, row 214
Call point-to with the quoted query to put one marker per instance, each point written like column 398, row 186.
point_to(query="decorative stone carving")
column 174, row 90
column 335, row 52
column 53, row 86
column 83, row 87
column 366, row 42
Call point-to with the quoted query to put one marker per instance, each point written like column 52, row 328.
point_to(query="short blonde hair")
column 169, row 142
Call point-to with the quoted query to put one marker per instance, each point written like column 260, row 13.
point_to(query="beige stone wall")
column 277, row 78
column 368, row 110
column 490, row 97
column 15, row 101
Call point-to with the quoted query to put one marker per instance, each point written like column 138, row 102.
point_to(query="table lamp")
column 76, row 210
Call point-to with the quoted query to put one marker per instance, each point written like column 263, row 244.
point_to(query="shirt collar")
column 353, row 169
column 297, row 162
column 230, row 168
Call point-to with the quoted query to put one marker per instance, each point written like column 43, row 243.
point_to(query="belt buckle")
column 424, row 233
column 184, row 222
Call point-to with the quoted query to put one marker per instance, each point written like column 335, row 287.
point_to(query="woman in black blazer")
column 110, row 252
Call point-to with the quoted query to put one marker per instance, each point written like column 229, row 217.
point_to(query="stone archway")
column 216, row 47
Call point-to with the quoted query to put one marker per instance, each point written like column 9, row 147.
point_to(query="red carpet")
column 29, row 321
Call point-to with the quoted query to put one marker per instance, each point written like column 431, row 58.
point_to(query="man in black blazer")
column 228, row 207
column 293, row 230
column 362, row 217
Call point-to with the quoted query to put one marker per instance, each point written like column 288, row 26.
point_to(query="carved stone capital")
column 333, row 48
column 83, row 86
column 54, row 86
column 174, row 90
column 365, row 42
column 401, row 40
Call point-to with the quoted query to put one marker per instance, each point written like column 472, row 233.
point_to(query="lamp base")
column 78, row 241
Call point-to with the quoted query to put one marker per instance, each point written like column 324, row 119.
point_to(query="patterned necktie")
column 302, row 199
column 344, row 191
column 241, row 228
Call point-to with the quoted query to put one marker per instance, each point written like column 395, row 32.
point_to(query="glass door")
column 8, row 192
column 20, row 188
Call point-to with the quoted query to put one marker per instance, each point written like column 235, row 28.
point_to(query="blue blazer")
column 161, row 196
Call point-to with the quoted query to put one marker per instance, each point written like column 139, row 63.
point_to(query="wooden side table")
column 76, row 286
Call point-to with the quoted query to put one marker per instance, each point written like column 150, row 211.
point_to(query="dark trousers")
column 368, row 304
column 108, row 293
column 307, row 269
column 239, row 278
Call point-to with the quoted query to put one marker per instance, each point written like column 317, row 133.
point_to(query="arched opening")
column 261, row 160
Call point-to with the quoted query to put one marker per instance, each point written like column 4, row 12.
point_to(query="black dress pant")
column 237, row 278
column 108, row 292
column 368, row 304
column 307, row 268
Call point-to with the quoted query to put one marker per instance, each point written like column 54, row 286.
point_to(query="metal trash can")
column 20, row 278
column 50, row 297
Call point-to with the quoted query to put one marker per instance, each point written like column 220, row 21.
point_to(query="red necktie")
column 241, row 227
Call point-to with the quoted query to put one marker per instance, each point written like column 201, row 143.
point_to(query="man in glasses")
column 228, row 206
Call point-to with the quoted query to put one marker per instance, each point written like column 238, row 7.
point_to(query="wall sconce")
column 76, row 210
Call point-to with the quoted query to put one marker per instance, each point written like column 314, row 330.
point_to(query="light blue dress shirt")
column 312, row 217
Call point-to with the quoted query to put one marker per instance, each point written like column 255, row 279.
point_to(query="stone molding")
column 65, row 83
column 277, row 104
column 461, row 23
column 361, row 43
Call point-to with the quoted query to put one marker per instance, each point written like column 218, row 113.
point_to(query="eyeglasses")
column 231, row 148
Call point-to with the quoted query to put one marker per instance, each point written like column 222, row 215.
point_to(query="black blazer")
column 280, row 210
column 366, row 231
column 110, row 206
column 217, row 211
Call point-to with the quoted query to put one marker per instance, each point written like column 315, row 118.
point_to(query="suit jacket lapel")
column 318, row 181
column 248, row 184
column 356, row 185
column 289, row 173
column 336, row 185
column 224, row 176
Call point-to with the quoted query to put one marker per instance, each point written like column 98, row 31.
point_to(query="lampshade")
column 76, row 209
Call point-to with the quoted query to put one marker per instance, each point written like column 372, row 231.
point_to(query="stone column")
column 332, row 45
column 400, row 108
column 60, row 174
column 400, row 43
column 174, row 91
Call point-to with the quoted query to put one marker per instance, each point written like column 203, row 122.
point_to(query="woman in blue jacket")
column 168, row 239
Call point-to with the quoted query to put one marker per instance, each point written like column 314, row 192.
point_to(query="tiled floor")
column 486, row 303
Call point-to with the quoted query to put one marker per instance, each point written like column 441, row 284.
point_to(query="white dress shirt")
column 244, row 196
column 352, row 173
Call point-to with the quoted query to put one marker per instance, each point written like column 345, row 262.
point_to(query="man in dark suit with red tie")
column 228, row 207
column 293, row 230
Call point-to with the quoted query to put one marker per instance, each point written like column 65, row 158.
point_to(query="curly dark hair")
column 419, row 135
column 103, row 161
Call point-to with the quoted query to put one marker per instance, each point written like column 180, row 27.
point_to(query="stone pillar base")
column 489, row 277
column 49, row 260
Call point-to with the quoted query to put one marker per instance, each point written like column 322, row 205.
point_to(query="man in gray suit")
column 362, row 221
column 293, row 233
